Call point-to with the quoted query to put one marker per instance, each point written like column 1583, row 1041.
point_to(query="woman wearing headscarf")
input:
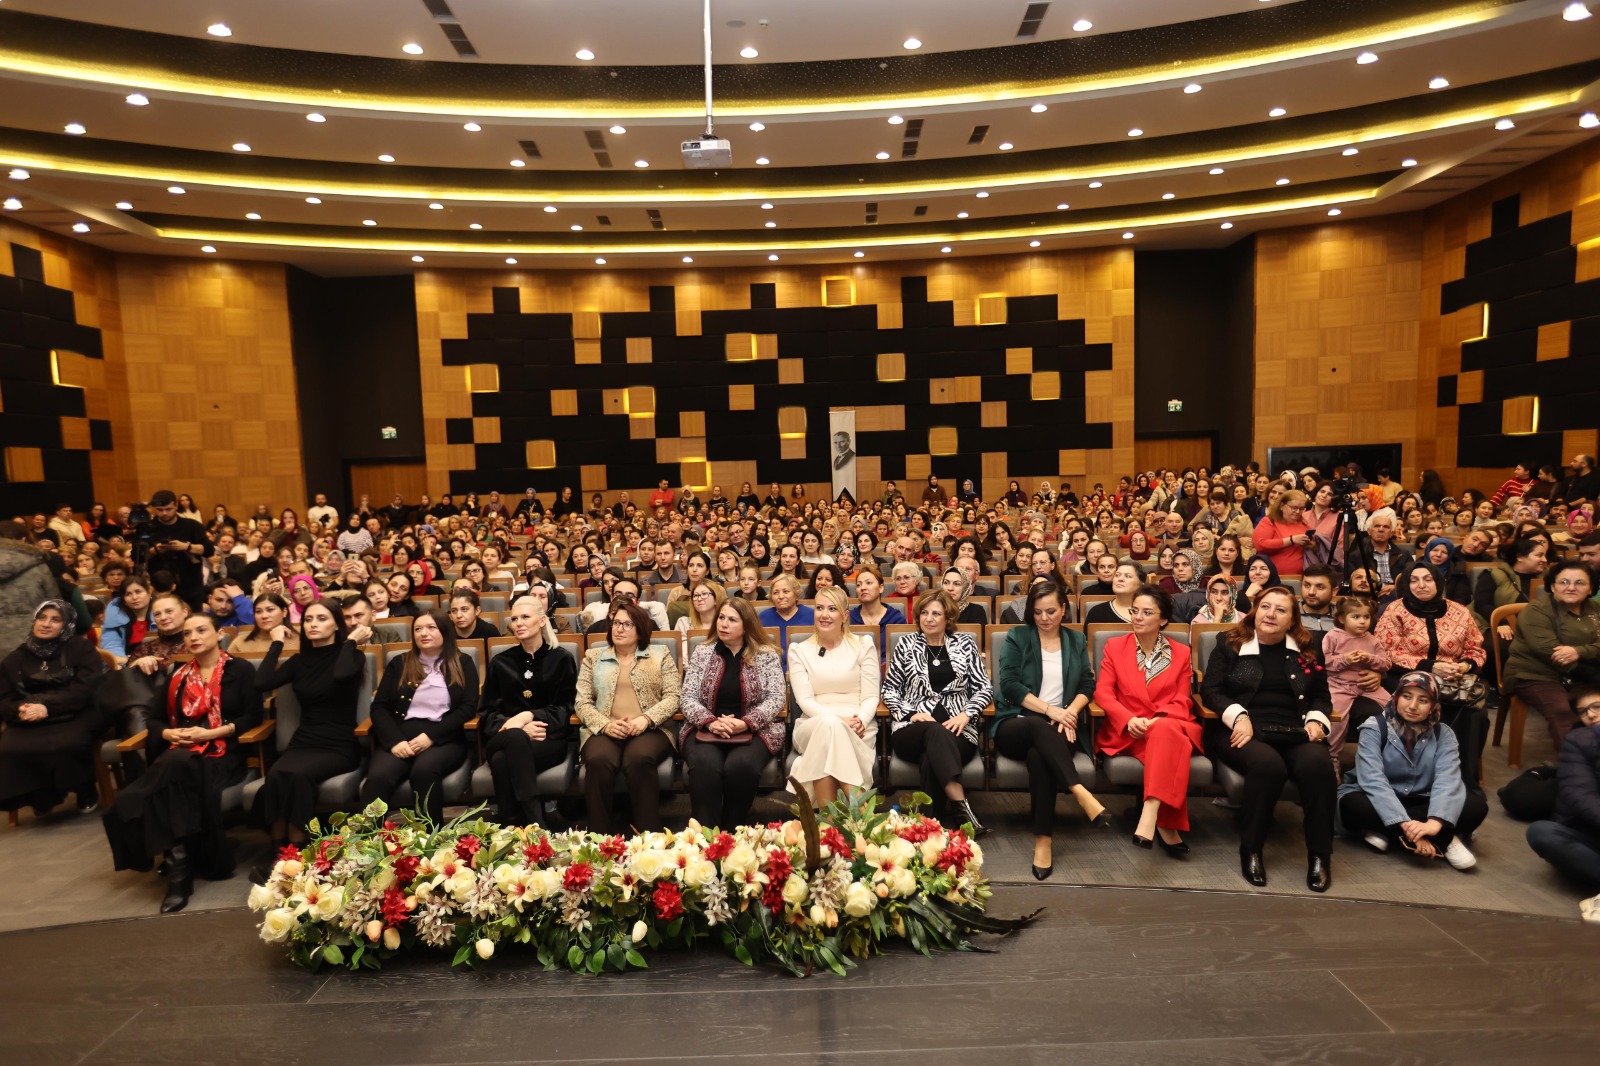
column 1406, row 787
column 1260, row 574
column 1185, row 585
column 302, row 592
column 51, row 725
column 955, row 583
column 1440, row 553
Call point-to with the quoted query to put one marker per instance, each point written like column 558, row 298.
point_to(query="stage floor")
column 1108, row 975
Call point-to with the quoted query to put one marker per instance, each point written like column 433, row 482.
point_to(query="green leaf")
column 637, row 960
column 463, row 955
column 333, row 955
column 575, row 957
column 617, row 957
column 597, row 961
column 545, row 958
column 742, row 953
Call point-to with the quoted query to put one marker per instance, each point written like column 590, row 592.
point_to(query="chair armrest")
column 364, row 728
column 471, row 726
column 133, row 743
column 1205, row 712
column 987, row 712
column 1095, row 710
column 260, row 732
column 883, row 710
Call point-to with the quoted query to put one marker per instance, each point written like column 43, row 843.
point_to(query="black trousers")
column 941, row 754
column 515, row 762
column 1361, row 817
column 1470, row 724
column 426, row 772
column 723, row 779
column 289, row 793
column 1266, row 766
column 636, row 758
column 1034, row 739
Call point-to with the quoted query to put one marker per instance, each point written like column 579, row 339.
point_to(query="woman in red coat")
column 1143, row 687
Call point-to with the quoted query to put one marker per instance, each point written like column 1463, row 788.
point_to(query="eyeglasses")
column 1572, row 583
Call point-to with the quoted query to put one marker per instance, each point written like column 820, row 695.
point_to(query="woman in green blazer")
column 1042, row 713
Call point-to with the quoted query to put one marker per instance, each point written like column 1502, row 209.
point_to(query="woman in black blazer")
column 1271, row 693
column 528, row 696
column 424, row 699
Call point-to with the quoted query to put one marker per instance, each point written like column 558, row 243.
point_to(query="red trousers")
column 1165, row 749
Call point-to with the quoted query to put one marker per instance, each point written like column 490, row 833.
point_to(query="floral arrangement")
column 807, row 893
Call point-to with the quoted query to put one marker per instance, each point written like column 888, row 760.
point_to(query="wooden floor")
column 1135, row 976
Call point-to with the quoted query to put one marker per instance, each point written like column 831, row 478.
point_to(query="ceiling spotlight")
column 124, row 205
column 1096, row 184
column 1589, row 120
column 474, row 225
column 519, row 162
column 688, row 259
column 176, row 190
column 209, row 249
column 1439, row 83
column 641, row 163
column 882, row 155
column 861, row 255
column 18, row 174
column 549, row 209
column 411, row 49
column 1136, row 132
column 1169, row 196
column 471, row 127
column 772, row 258
column 1062, row 207
column 945, row 249
column 619, row 130
column 219, row 29
column 138, row 99
column 599, row 262
column 511, row 261
column 895, row 120
column 416, row 259
column 1505, row 124
column 369, row 222
column 982, row 194
column 757, row 127
column 1039, row 109
column 961, row 214
column 1227, row 225
column 748, row 52
column 1334, row 212
column 253, row 216
column 77, row 129
column 1006, row 146
column 911, row 44
column 1575, row 12
column 1193, row 87
column 1215, row 170
column 384, row 158
column 770, row 225
column 584, row 54
column 1283, row 181
column 1408, row 162
column 1351, row 151
column 80, row 227
column 436, row 207
column 766, row 207
column 1277, row 112
column 240, row 146
column 313, row 199
column 315, row 117
column 1128, row 236
column 1083, row 25
column 12, row 204
column 1367, row 57
column 576, row 228
column 762, row 160
column 1033, row 244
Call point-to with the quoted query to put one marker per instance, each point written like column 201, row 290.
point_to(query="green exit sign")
column 389, row 433
column 1174, row 406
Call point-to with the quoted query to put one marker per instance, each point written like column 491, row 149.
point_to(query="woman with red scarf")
column 175, row 807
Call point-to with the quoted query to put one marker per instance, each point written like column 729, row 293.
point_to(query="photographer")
column 177, row 545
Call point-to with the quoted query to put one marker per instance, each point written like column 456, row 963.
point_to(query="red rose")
column 613, row 847
column 720, row 848
column 835, row 840
column 539, row 851
column 668, row 900
column 577, row 877
column 467, row 847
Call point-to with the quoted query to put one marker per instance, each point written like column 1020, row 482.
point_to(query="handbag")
column 1468, row 690
column 1531, row 795
column 706, row 736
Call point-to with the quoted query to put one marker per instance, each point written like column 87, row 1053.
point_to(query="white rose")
column 262, row 897
column 461, row 883
column 795, row 890
column 741, row 860
column 902, row 882
column 391, row 938
column 931, row 849
column 277, row 925
column 507, row 877
column 697, row 873
column 901, row 851
column 639, row 931
column 859, row 900
column 544, row 883
column 485, row 948
column 651, row 865
column 330, row 902
column 818, row 915
column 384, row 881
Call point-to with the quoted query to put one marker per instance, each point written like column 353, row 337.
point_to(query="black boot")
column 961, row 811
column 1319, row 873
column 180, row 880
column 1252, row 867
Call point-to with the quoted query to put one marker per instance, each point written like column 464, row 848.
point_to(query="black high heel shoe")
column 1102, row 820
column 1176, row 851
column 1142, row 842
column 1253, row 868
column 962, row 810
column 1040, row 873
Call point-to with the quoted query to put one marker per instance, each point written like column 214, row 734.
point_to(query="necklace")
column 936, row 655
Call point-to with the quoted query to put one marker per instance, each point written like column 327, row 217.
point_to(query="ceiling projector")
column 706, row 153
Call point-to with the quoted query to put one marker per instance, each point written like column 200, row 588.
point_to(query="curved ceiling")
column 1184, row 123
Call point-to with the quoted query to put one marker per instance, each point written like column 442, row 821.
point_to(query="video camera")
column 1344, row 490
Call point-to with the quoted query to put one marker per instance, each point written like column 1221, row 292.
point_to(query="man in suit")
column 844, row 454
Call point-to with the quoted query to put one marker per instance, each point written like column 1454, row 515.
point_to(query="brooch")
column 527, row 695
column 527, row 675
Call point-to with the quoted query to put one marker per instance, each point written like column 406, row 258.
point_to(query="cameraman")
column 177, row 545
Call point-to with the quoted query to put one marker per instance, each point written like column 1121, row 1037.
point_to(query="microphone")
column 821, row 652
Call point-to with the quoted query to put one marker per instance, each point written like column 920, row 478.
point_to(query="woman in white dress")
column 834, row 676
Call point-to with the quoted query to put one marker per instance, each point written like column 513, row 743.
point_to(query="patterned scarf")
column 200, row 699
column 1159, row 659
column 49, row 649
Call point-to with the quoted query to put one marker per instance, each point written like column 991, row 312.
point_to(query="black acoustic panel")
column 1508, row 349
column 27, row 263
column 1478, row 420
column 507, row 454
column 68, row 467
column 1576, row 410
column 663, row 299
column 763, row 294
column 1491, row 449
column 754, row 320
column 1043, row 334
column 29, row 430
column 1544, row 308
column 458, row 431
column 100, row 434
column 34, row 297
column 1584, row 338
column 712, row 348
column 25, row 364
column 613, row 350
column 40, row 399
column 923, row 315
column 506, row 301
column 1447, row 391
column 638, row 324
column 864, row 343
column 892, row 465
column 1532, row 240
column 513, row 326
column 913, row 291
column 1504, row 214
column 1549, row 271
column 1030, row 309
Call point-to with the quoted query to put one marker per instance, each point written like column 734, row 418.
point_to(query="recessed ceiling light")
column 1575, row 12
column 1505, row 124
column 762, row 160
column 1169, row 196
column 12, row 204
column 313, row 199
column 1128, row 236
column 1351, row 151
column 1006, row 146
column 511, row 261
column 315, row 117
column 861, row 255
column 472, row 127
column 416, row 259
column 1039, row 109
column 411, row 48
column 1096, row 184
column 1367, row 57
column 1439, row 83
column 1193, row 87
column 253, row 216
column 772, row 258
column 641, row 163
column 599, row 262
column 1408, row 162
column 1136, row 132
column 1215, row 170
column 176, row 190
column 766, row 207
column 982, row 195
column 619, row 130
column 1334, row 212
column 1062, row 207
column 881, row 155
column 1227, row 225
column 18, row 174
column 549, row 209
column 209, row 249
column 911, row 44
column 219, row 29
column 1083, row 25
column 576, row 228
column 436, row 207
column 757, row 127
column 895, row 120
column 1283, row 181
column 770, row 225
column 474, row 225
column 240, row 146
column 519, row 162
column 1033, row 244
column 688, row 259
column 1589, row 120
column 369, row 222
column 80, row 227
column 124, row 205
column 748, row 52
column 945, row 249
column 77, row 129
column 138, row 99
column 584, row 54
column 384, row 158
column 961, row 214
column 1277, row 112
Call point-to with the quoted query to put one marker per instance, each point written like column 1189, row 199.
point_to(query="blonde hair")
column 835, row 595
column 788, row 581
column 1275, row 512
column 716, row 592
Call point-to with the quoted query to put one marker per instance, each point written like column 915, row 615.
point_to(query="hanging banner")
column 842, row 430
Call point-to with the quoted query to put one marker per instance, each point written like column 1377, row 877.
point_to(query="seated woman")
column 872, row 610
column 1272, row 698
column 51, row 724
column 165, row 638
column 1143, row 687
column 734, row 697
column 1557, row 645
column 936, row 687
column 326, row 679
column 271, row 611
column 789, row 564
column 1219, row 603
column 1282, row 535
column 303, row 592
column 1128, row 579
column 424, row 699
column 702, row 614
column 1509, row 580
column 1441, row 554
column 825, row 575
column 529, row 693
column 835, row 680
column 1570, row 840
column 628, row 689
column 1260, row 574
column 1041, row 714
column 1424, row 631
column 958, row 587
column 1406, row 787
column 174, row 809
column 127, row 620
column 1183, row 586
column 906, row 576
column 398, row 588
column 786, row 609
